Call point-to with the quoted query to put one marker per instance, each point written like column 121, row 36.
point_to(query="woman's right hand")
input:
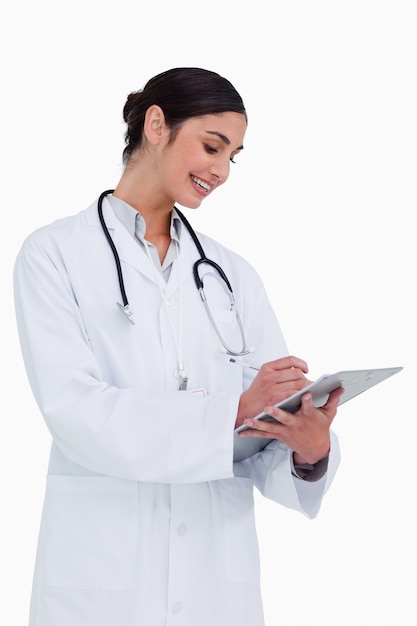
column 274, row 382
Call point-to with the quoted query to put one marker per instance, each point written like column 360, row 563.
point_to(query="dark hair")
column 181, row 93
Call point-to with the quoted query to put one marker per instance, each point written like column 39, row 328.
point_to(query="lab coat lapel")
column 127, row 247
column 132, row 253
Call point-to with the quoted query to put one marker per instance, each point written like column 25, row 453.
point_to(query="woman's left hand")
column 306, row 432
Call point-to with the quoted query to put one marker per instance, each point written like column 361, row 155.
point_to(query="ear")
column 154, row 126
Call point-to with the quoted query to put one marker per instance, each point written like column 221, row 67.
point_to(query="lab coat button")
column 181, row 530
column 176, row 608
column 171, row 300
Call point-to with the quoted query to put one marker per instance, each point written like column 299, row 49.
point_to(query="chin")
column 191, row 204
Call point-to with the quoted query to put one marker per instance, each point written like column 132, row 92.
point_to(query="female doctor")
column 128, row 323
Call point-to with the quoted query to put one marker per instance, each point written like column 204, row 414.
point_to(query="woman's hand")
column 274, row 382
column 306, row 432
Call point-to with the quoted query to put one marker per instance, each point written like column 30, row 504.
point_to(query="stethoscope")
column 125, row 307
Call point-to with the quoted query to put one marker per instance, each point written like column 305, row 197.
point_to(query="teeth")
column 200, row 182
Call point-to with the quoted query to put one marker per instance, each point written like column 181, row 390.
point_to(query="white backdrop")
column 321, row 201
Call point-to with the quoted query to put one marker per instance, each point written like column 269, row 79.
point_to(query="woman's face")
column 200, row 156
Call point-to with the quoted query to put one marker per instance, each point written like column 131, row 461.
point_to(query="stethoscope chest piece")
column 126, row 310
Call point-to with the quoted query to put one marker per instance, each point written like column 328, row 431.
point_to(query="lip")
column 202, row 187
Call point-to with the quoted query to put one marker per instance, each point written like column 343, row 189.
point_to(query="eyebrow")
column 225, row 139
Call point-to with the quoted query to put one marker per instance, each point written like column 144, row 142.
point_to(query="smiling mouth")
column 201, row 183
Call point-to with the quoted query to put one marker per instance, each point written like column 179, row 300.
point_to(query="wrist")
column 300, row 460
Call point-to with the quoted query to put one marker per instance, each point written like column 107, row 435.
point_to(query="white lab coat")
column 146, row 519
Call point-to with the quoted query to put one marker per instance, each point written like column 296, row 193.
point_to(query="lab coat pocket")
column 226, row 328
column 241, row 544
column 88, row 536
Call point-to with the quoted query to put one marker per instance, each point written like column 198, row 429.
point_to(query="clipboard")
column 354, row 383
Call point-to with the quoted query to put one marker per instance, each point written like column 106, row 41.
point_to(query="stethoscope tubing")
column 198, row 280
column 112, row 246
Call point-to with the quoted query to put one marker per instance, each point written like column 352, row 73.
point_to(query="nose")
column 220, row 169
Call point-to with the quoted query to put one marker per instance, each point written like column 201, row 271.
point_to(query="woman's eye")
column 209, row 149
column 232, row 161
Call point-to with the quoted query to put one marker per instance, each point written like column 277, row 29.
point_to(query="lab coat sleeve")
column 270, row 471
column 168, row 437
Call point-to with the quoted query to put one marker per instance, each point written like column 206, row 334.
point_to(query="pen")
column 244, row 364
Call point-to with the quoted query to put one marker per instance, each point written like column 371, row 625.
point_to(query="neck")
column 157, row 214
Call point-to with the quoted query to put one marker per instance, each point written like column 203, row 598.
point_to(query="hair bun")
column 131, row 102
